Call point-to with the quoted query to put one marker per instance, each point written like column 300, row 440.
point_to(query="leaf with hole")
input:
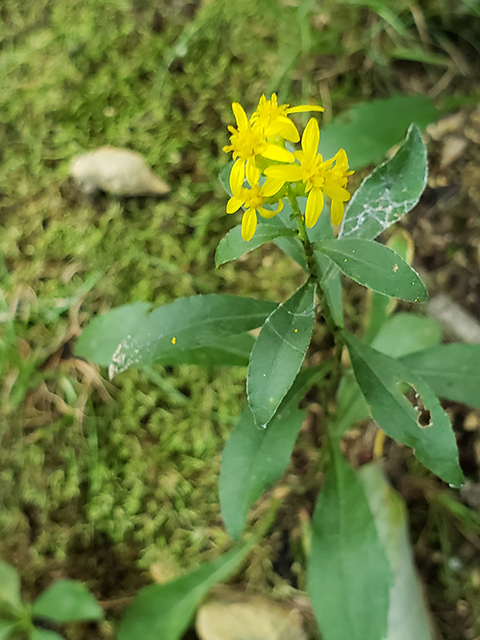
column 420, row 423
column 452, row 370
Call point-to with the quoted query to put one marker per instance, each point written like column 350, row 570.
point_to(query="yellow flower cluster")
column 260, row 142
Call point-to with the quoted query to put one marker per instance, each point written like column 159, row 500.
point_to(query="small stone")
column 472, row 421
column 453, row 148
column 120, row 172
column 235, row 616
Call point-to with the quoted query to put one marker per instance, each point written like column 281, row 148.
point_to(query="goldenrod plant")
column 394, row 371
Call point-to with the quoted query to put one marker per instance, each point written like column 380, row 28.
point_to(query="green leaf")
column 6, row 628
column 10, row 586
column 228, row 351
column 164, row 611
column 426, row 429
column 67, row 601
column 408, row 616
column 278, row 353
column 389, row 192
column 452, row 370
column 350, row 408
column 293, row 247
column 349, row 575
column 45, row 634
column 233, row 246
column 375, row 266
column 329, row 274
column 369, row 130
column 331, row 285
column 255, row 459
column 378, row 310
column 131, row 334
column 406, row 333
column 419, row 54
column 224, row 177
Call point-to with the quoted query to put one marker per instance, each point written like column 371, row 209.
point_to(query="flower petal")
column 336, row 211
column 240, row 115
column 249, row 224
column 253, row 172
column 265, row 213
column 237, row 176
column 314, row 207
column 275, row 152
column 271, row 186
column 283, row 127
column 304, row 107
column 335, row 191
column 234, row 204
column 311, row 138
column 287, row 173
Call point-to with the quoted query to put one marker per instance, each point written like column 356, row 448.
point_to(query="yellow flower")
column 253, row 200
column 273, row 117
column 335, row 182
column 246, row 142
column 319, row 176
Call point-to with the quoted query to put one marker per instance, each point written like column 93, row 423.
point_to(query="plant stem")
column 316, row 277
column 302, row 234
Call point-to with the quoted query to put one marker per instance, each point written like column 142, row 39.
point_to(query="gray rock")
column 120, row 172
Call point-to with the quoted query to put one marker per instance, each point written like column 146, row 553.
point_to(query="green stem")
column 314, row 277
column 302, row 234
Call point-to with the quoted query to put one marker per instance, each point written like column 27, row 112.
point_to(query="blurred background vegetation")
column 100, row 480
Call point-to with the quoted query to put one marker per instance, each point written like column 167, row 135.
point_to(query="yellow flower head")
column 252, row 200
column 318, row 176
column 247, row 141
column 273, row 117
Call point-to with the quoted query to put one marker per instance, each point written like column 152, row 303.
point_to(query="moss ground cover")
column 124, row 474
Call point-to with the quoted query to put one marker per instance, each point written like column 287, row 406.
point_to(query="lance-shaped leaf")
column 389, row 192
column 278, row 353
column 45, row 634
column 10, row 587
column 452, row 370
column 328, row 272
column 331, row 285
column 255, row 459
column 7, row 629
column 224, row 177
column 420, row 422
column 349, row 575
column 131, row 334
column 67, row 601
column 165, row 610
column 405, row 333
column 232, row 351
column 375, row 266
column 233, row 246
column 408, row 615
column 368, row 130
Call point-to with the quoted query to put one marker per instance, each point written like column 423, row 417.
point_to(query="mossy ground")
column 100, row 479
